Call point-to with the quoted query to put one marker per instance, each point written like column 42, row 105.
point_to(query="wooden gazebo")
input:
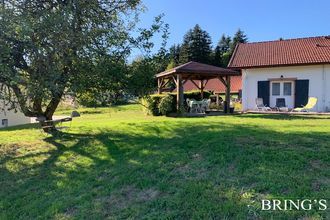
column 195, row 71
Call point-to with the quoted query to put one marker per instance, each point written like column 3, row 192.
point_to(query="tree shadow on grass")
column 178, row 170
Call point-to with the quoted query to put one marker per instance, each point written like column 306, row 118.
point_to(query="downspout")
column 324, row 87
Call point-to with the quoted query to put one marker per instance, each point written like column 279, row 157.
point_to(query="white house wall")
column 14, row 118
column 318, row 76
column 327, row 87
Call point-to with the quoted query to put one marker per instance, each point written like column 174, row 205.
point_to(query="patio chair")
column 261, row 106
column 280, row 105
column 192, row 105
column 188, row 101
column 312, row 101
column 238, row 106
column 205, row 105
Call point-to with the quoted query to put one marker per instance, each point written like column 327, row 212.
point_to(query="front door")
column 282, row 90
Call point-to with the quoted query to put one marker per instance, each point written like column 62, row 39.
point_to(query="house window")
column 276, row 89
column 287, row 88
column 4, row 122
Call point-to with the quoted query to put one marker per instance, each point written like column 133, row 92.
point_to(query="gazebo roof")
column 195, row 70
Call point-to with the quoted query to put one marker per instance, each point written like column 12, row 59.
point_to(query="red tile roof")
column 216, row 85
column 301, row 51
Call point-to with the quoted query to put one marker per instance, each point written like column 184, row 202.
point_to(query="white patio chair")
column 261, row 106
column 193, row 106
column 205, row 105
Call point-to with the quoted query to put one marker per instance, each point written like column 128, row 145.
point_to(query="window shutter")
column 263, row 91
column 301, row 93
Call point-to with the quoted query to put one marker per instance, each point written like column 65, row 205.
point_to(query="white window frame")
column 290, row 88
column 279, row 89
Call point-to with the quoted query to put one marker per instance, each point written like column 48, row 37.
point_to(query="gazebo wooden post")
column 201, row 86
column 179, row 98
column 228, row 93
column 159, row 86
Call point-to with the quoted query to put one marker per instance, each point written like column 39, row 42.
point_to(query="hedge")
column 196, row 94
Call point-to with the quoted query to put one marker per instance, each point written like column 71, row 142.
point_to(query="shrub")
column 87, row 99
column 166, row 104
column 196, row 94
column 102, row 98
column 150, row 104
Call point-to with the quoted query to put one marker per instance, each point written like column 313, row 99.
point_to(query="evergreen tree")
column 196, row 46
column 224, row 44
column 239, row 37
column 174, row 54
column 217, row 57
column 222, row 48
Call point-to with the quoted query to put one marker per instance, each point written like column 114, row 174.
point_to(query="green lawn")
column 119, row 163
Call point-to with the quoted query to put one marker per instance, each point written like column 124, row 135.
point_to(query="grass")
column 118, row 163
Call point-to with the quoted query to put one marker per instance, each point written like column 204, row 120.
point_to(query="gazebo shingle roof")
column 199, row 69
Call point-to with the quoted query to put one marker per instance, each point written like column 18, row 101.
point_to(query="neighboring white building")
column 11, row 118
column 292, row 70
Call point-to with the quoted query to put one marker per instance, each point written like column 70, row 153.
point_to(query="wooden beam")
column 159, row 85
column 162, row 82
column 165, row 84
column 186, row 80
column 228, row 93
column 195, row 84
column 179, row 97
column 201, row 86
column 223, row 81
column 206, row 83
column 175, row 81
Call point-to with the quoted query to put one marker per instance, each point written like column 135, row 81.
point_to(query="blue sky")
column 261, row 20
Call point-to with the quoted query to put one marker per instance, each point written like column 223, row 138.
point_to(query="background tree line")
column 197, row 46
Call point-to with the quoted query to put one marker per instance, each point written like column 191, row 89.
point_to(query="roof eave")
column 277, row 65
column 233, row 55
column 165, row 73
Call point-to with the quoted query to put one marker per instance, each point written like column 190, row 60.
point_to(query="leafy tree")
column 171, row 65
column 226, row 58
column 239, row 37
column 106, row 87
column 196, row 46
column 50, row 48
column 141, row 79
